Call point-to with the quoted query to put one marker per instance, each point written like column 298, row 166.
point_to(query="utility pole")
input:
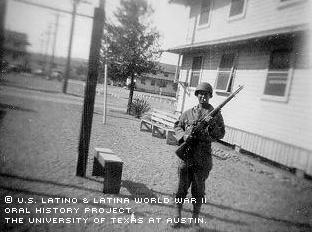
column 105, row 48
column 46, row 57
column 56, row 25
column 88, row 105
column 42, row 43
column 2, row 23
column 67, row 70
column 73, row 13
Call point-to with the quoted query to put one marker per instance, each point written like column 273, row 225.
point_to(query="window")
column 162, row 83
column 143, row 81
column 175, row 86
column 196, row 67
column 237, row 9
column 204, row 12
column 152, row 82
column 16, row 44
column 225, row 74
column 15, row 56
column 277, row 81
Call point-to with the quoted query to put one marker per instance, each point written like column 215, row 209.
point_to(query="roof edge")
column 181, row 2
column 245, row 37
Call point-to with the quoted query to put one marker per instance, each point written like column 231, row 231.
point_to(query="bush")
column 139, row 106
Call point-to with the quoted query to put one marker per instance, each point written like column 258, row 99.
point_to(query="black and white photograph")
column 155, row 115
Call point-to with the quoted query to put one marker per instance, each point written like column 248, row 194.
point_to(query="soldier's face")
column 203, row 97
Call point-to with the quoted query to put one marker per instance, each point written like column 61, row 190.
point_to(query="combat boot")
column 177, row 218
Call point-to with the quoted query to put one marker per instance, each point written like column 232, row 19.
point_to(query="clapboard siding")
column 258, row 17
column 270, row 118
column 279, row 131
column 283, row 153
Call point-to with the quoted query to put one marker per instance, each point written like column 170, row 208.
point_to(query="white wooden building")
column 265, row 46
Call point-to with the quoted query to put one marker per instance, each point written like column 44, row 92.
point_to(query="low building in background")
column 161, row 83
column 41, row 64
column 15, row 51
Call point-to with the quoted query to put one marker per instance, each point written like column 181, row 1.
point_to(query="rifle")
column 184, row 150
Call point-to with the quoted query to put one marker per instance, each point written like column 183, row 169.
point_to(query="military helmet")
column 204, row 86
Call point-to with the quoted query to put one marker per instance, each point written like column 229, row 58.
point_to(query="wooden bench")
column 108, row 165
column 161, row 125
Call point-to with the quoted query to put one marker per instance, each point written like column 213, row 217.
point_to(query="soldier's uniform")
column 195, row 173
column 202, row 161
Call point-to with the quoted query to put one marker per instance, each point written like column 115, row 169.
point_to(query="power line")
column 73, row 14
column 52, row 8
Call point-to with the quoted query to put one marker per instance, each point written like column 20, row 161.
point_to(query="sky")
column 39, row 25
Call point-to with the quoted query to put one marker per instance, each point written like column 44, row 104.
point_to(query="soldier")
column 195, row 173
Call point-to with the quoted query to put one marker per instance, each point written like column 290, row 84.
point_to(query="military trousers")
column 193, row 177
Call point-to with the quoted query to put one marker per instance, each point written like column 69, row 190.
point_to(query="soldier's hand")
column 187, row 137
column 212, row 121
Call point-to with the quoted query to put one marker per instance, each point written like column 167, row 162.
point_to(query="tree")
column 131, row 44
column 82, row 69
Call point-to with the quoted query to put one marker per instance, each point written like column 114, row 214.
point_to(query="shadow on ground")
column 2, row 115
column 141, row 190
column 10, row 84
column 118, row 114
column 13, row 107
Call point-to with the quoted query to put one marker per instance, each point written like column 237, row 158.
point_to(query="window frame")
column 231, row 73
column 201, row 25
column 197, row 71
column 238, row 16
column 288, row 3
column 289, row 78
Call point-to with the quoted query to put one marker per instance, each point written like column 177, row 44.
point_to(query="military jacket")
column 202, row 145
